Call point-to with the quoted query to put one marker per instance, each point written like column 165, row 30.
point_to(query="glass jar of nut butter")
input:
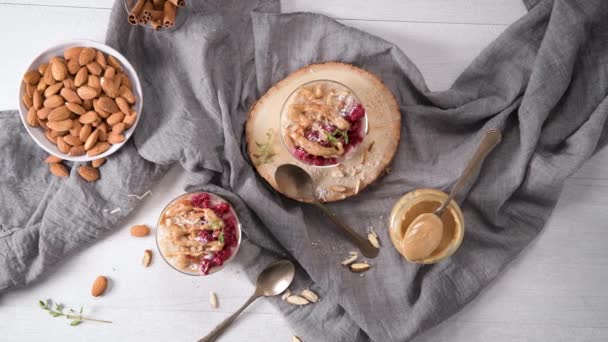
column 420, row 246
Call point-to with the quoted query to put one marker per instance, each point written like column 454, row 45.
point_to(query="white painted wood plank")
column 444, row 11
column 441, row 51
column 145, row 304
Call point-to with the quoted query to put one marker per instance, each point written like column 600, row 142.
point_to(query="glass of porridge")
column 322, row 122
column 198, row 233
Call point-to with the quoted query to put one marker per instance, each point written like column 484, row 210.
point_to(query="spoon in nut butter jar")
column 424, row 233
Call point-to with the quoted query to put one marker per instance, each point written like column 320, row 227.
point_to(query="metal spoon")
column 273, row 280
column 430, row 224
column 296, row 183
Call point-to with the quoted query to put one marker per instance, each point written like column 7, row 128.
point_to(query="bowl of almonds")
column 80, row 100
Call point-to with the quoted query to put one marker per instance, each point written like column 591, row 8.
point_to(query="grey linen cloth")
column 543, row 82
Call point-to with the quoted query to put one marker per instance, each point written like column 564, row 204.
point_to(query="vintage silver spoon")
column 430, row 224
column 273, row 280
column 296, row 183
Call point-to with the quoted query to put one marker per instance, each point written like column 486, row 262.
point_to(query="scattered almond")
column 147, row 258
column 88, row 173
column 53, row 159
column 59, row 170
column 295, row 339
column 87, row 55
column 360, row 267
column 140, row 230
column 98, row 162
column 373, row 239
column 213, row 300
column 286, row 294
column 99, row 286
column 353, row 257
column 309, row 295
column 297, row 300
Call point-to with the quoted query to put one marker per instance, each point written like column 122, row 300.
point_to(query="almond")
column 119, row 128
column 103, row 135
column 102, row 113
column 51, row 159
column 82, row 77
column 110, row 86
column 42, row 123
column 70, row 96
column 126, row 93
column 140, row 230
column 76, row 151
column 98, row 162
column 114, row 138
column 359, row 267
column 91, row 140
column 29, row 89
column 75, row 108
column 309, row 295
column 59, row 70
column 31, row 77
column 48, row 76
column 107, row 104
column 87, row 104
column 69, row 84
column 73, row 66
column 42, row 68
column 123, row 105
column 41, row 86
column 72, row 140
column 75, row 130
column 125, row 81
column 62, row 145
column 373, row 239
column 113, row 62
column 100, row 58
column 94, row 68
column 353, row 257
column 88, row 117
column 87, row 55
column 115, row 118
column 99, row 285
column 145, row 261
column 72, row 52
column 52, row 90
column 27, row 101
column 297, row 300
column 109, row 73
column 98, row 149
column 54, row 101
column 213, row 300
column 86, row 92
column 59, row 170
column 36, row 99
column 32, row 118
column 60, row 126
column 60, row 113
column 49, row 136
column 43, row 113
column 88, row 173
column 129, row 120
column 85, row 131
column 95, row 83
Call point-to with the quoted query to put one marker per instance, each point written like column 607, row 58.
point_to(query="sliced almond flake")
column 145, row 261
column 337, row 173
column 286, row 294
column 338, row 188
column 370, row 147
column 357, row 186
column 360, row 267
column 373, row 240
column 295, row 339
column 140, row 197
column 372, row 231
column 350, row 260
column 363, row 156
column 297, row 300
column 213, row 300
column 115, row 210
column 310, row 296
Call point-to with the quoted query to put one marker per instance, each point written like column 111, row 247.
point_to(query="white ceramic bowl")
column 37, row 133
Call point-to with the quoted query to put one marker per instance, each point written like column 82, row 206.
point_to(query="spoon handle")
column 215, row 333
column 366, row 248
column 487, row 144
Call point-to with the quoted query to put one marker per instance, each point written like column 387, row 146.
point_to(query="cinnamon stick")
column 169, row 11
column 178, row 3
column 134, row 14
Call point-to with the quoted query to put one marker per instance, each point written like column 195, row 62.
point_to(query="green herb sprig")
column 74, row 316
column 335, row 136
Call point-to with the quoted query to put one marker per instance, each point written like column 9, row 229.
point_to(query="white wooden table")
column 555, row 291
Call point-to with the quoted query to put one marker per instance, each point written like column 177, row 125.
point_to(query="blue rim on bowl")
column 37, row 133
